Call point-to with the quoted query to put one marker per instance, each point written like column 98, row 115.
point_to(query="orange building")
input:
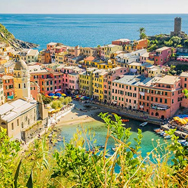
column 140, row 44
column 8, row 86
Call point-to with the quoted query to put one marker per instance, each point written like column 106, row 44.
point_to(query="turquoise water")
column 87, row 30
column 100, row 130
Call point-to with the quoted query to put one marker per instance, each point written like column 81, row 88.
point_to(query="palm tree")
column 142, row 33
column 142, row 30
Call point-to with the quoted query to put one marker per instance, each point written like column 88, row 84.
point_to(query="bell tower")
column 22, row 80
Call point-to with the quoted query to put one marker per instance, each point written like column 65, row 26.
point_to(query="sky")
column 94, row 6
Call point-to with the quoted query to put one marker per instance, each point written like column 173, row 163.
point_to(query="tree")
column 186, row 43
column 8, row 157
column 56, row 104
column 46, row 100
column 142, row 33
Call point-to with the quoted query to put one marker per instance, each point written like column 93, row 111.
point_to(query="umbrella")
column 83, row 98
column 50, row 94
column 58, row 94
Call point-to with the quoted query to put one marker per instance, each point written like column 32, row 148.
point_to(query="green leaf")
column 30, row 181
column 16, row 174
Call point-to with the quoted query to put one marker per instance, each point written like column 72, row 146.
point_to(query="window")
column 165, row 101
column 185, row 79
column 151, row 98
column 19, row 86
column 172, row 101
column 17, row 122
column 161, row 100
column 148, row 98
column 185, row 85
column 12, row 126
column 156, row 99
column 165, row 93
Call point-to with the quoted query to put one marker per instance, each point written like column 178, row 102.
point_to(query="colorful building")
column 112, row 75
column 2, row 96
column 22, row 80
column 86, row 82
column 111, row 49
column 125, row 91
column 161, row 96
column 121, row 42
column 98, row 84
column 184, row 83
column 162, row 55
column 8, row 86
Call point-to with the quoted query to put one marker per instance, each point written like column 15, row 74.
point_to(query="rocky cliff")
column 7, row 37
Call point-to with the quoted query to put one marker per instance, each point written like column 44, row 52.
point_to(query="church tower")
column 22, row 80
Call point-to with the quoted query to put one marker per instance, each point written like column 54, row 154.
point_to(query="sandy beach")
column 79, row 116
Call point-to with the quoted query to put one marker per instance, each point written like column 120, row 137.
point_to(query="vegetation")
column 56, row 104
column 6, row 33
column 142, row 32
column 159, row 41
column 46, row 100
column 77, row 166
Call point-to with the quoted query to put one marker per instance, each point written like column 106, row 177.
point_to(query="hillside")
column 6, row 36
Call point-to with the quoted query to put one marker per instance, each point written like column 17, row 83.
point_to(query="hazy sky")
column 93, row 6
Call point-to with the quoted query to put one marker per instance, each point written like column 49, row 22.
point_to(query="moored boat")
column 143, row 124
column 125, row 120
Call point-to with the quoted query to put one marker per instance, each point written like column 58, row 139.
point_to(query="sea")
column 99, row 130
column 87, row 30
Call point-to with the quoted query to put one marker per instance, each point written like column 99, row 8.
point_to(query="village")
column 37, row 87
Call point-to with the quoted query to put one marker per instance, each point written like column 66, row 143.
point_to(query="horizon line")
column 99, row 13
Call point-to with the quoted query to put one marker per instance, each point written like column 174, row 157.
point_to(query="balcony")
column 159, row 107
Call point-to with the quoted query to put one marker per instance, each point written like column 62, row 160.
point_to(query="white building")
column 127, row 58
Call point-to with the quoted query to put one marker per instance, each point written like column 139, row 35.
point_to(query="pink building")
column 51, row 46
column 125, row 91
column 162, row 55
column 121, row 42
column 161, row 96
column 109, row 78
column 184, row 83
column 70, row 78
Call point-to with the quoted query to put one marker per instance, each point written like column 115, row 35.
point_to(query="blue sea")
column 86, row 30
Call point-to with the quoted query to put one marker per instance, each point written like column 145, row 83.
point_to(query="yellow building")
column 98, row 86
column 154, row 71
column 86, row 82
column 22, row 80
column 88, row 51
column 98, row 63
column 111, row 49
column 60, row 57
column 136, row 67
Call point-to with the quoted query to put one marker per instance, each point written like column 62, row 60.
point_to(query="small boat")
column 185, row 144
column 101, row 146
column 167, row 137
column 162, row 133
column 157, row 130
column 181, row 141
column 113, row 149
column 125, row 120
column 143, row 124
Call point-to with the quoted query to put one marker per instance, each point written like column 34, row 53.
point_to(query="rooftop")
column 123, row 40
column 184, row 74
column 133, row 80
column 162, row 49
column 9, row 111
column 52, row 43
column 168, row 80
